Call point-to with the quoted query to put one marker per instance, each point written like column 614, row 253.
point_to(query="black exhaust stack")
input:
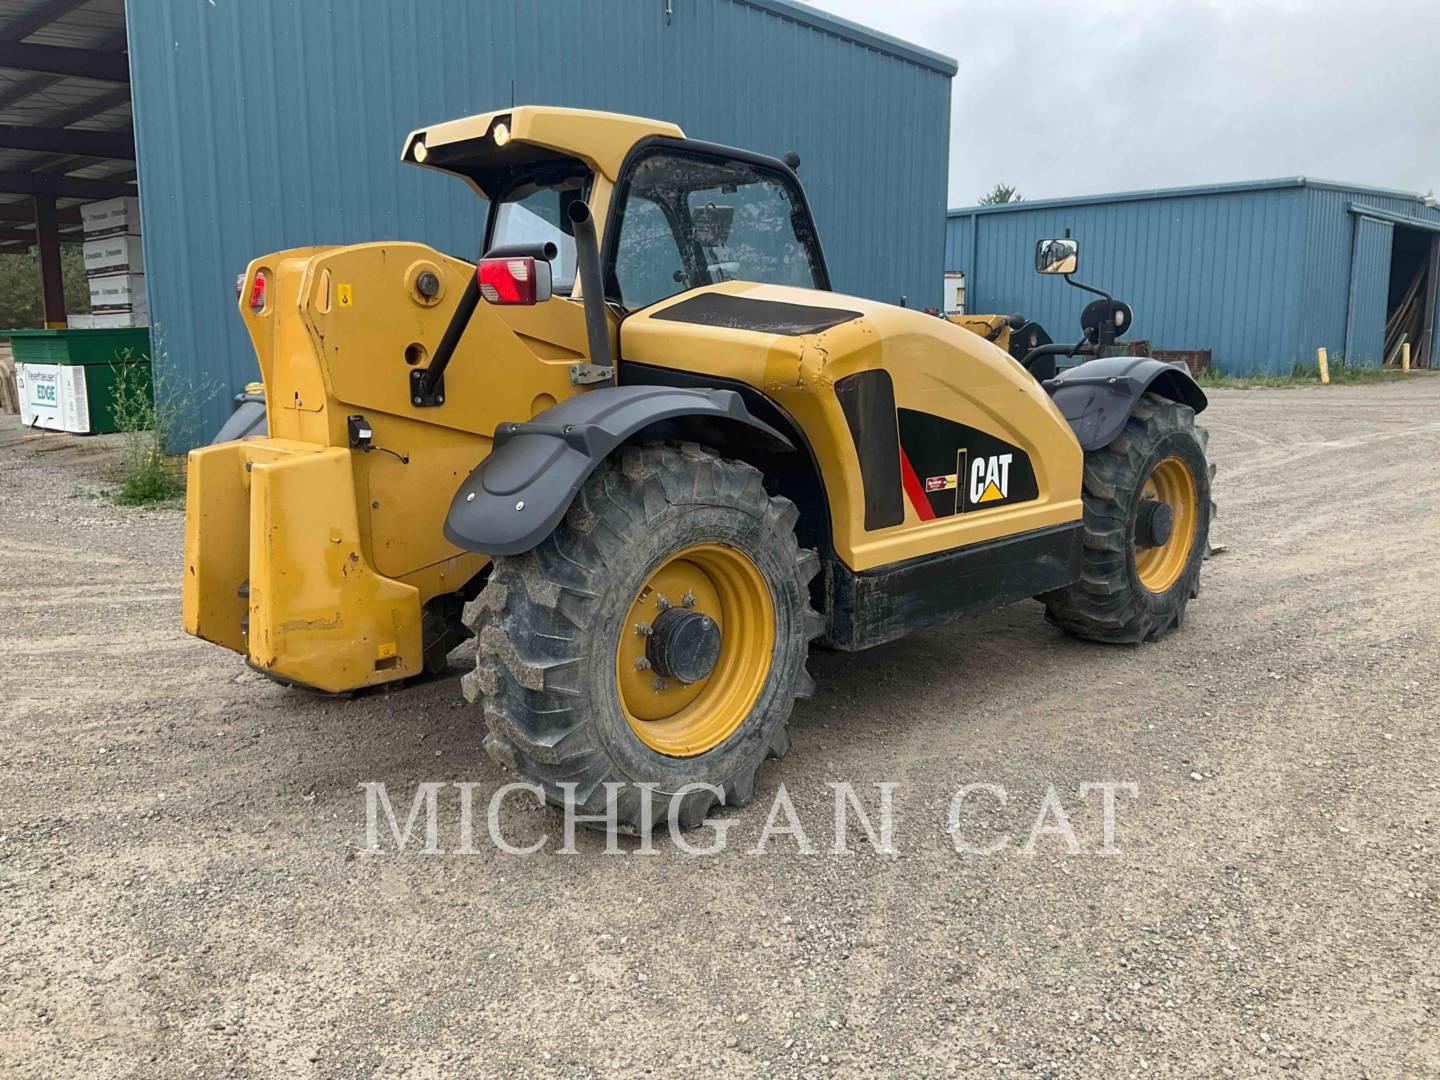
column 597, row 322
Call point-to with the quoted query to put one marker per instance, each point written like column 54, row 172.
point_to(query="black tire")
column 1212, row 546
column 1109, row 603
column 442, row 631
column 547, row 626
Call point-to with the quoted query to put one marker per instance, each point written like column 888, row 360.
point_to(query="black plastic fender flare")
column 514, row 498
column 1097, row 397
column 249, row 418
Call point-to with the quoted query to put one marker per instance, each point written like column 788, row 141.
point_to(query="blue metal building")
column 276, row 123
column 1260, row 273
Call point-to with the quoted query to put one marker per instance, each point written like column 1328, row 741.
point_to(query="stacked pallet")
column 9, row 394
column 114, row 265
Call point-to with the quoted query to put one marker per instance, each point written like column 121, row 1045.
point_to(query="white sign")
column 53, row 397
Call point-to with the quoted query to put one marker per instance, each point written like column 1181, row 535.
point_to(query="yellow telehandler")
column 643, row 453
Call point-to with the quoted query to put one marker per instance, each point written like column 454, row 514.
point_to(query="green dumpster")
column 66, row 378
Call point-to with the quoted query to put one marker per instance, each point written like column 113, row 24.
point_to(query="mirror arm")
column 1070, row 280
column 1055, row 349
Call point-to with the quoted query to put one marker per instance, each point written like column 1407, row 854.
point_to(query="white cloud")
column 1076, row 98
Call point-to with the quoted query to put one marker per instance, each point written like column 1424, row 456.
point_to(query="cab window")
column 689, row 219
column 533, row 211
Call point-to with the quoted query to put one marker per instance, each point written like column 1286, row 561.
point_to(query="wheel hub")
column 683, row 644
column 695, row 649
column 1165, row 524
column 1154, row 524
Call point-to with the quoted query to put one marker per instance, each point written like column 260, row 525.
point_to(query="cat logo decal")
column 990, row 478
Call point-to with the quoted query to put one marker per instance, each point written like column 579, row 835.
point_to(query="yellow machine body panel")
column 993, row 328
column 353, row 541
column 935, row 369
column 600, row 139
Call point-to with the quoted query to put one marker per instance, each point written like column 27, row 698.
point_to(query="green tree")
column 20, row 287
column 1001, row 193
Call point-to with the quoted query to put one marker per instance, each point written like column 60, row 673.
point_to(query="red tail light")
column 522, row 280
column 257, row 291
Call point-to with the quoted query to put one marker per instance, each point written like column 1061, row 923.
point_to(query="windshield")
column 690, row 219
column 532, row 212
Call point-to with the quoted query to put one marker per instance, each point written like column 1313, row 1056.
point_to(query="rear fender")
column 516, row 496
column 1097, row 397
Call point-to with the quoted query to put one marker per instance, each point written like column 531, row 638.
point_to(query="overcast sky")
column 1068, row 98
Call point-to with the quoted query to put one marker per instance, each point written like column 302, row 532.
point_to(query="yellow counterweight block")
column 275, row 568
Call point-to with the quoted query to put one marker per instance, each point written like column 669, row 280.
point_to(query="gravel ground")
column 185, row 891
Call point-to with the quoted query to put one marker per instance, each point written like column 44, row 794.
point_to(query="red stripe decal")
column 915, row 489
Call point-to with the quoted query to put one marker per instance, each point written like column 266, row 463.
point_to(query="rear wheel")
column 657, row 637
column 1147, row 520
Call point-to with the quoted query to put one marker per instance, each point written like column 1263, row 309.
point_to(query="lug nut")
column 688, row 600
column 661, row 602
column 659, row 684
column 642, row 664
column 644, row 629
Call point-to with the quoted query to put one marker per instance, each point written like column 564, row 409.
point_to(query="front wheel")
column 658, row 637
column 1147, row 520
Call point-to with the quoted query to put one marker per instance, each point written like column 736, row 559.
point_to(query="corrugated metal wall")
column 1330, row 234
column 1369, row 289
column 271, row 123
column 1258, row 273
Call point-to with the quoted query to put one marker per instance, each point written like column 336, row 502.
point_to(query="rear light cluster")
column 523, row 280
column 257, row 291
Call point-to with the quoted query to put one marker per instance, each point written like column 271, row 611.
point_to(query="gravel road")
column 185, row 890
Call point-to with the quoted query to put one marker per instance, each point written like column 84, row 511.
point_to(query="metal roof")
column 65, row 119
column 1260, row 274
column 816, row 19
column 1185, row 192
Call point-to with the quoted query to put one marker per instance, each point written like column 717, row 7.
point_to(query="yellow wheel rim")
column 1172, row 483
column 682, row 719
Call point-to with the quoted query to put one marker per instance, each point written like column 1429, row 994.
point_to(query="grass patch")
column 1307, row 375
column 146, row 475
column 151, row 411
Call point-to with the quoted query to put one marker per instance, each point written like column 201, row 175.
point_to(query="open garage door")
column 1394, row 288
column 1410, row 318
column 1369, row 291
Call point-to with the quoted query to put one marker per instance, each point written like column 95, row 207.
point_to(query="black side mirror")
column 1057, row 256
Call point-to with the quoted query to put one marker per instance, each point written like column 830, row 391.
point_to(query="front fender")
column 1097, row 397
column 515, row 497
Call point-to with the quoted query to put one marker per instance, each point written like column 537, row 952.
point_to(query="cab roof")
column 468, row 147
